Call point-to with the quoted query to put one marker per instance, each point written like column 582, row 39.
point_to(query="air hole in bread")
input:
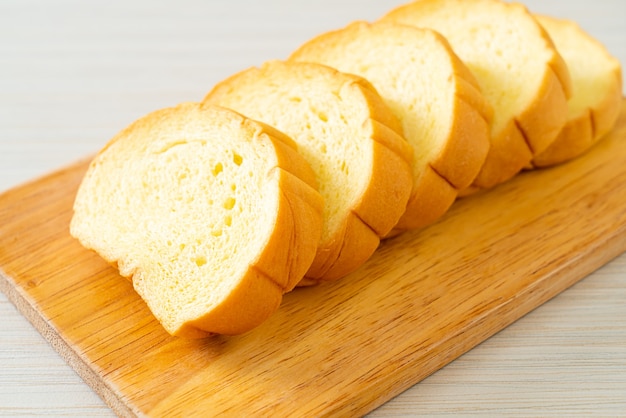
column 237, row 159
column 217, row 169
column 200, row 261
column 229, row 203
column 321, row 115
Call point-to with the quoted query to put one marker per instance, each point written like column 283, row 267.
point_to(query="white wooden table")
column 73, row 73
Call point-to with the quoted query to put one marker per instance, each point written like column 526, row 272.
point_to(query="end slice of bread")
column 444, row 116
column 597, row 91
column 212, row 215
column 351, row 140
column 517, row 66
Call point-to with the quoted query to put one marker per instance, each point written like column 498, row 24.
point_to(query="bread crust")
column 433, row 196
column 466, row 143
column 285, row 255
column 386, row 190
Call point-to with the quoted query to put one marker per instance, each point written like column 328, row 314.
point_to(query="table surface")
column 73, row 73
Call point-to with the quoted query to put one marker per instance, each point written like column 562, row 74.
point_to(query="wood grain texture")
column 339, row 349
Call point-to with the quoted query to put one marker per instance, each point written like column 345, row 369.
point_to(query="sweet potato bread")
column 212, row 215
column 517, row 66
column 444, row 116
column 597, row 91
column 351, row 140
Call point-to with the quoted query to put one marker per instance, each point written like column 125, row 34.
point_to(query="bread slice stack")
column 351, row 140
column 597, row 91
column 290, row 174
column 519, row 70
column 444, row 116
column 213, row 215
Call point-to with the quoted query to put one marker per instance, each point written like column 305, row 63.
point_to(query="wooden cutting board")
column 340, row 349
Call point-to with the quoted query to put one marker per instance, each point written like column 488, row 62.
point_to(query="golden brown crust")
column 433, row 196
column 385, row 118
column 466, row 149
column 582, row 132
column 576, row 137
column 252, row 301
column 389, row 186
column 339, row 260
column 545, row 116
column 507, row 155
column 606, row 113
column 290, row 250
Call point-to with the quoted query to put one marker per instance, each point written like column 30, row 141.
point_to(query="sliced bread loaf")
column 444, row 116
column 214, row 216
column 517, row 66
column 597, row 91
column 352, row 142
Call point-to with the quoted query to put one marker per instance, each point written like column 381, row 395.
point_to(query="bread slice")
column 352, row 142
column 517, row 66
column 597, row 91
column 214, row 216
column 444, row 116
